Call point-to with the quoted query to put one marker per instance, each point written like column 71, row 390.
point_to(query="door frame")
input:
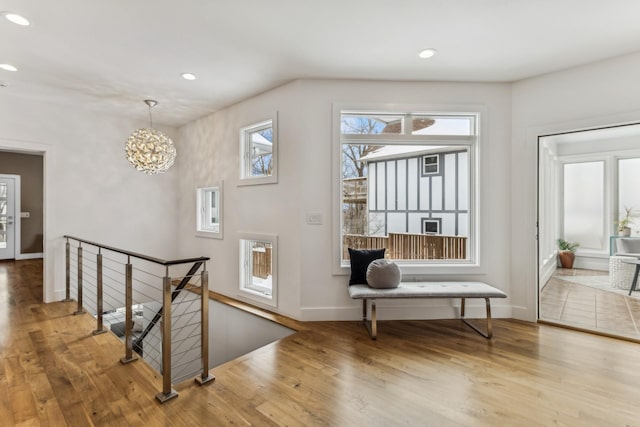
column 51, row 275
column 17, row 244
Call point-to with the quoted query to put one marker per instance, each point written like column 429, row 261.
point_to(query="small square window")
column 209, row 212
column 258, row 153
column 430, row 165
column 431, row 226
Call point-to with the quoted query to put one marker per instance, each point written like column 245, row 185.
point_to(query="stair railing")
column 171, row 327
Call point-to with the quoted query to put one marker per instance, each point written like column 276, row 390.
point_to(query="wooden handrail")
column 137, row 255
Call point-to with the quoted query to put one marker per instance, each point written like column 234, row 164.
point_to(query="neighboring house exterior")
column 418, row 190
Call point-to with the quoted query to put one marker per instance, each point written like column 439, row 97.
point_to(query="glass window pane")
column 584, row 204
column 357, row 124
column 393, row 197
column 628, row 183
column 262, row 152
column 257, row 267
column 3, row 191
column 3, row 233
column 438, row 125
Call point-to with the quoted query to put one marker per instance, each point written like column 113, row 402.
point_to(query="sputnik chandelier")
column 149, row 150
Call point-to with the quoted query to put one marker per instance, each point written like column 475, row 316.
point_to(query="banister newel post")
column 99, row 295
column 205, row 377
column 67, row 297
column 128, row 315
column 167, row 392
column 80, row 309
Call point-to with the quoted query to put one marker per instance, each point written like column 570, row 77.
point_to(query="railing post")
column 68, row 271
column 99, row 295
column 128, row 316
column 167, row 392
column 80, row 309
column 205, row 377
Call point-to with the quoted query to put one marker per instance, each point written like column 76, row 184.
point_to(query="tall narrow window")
column 258, row 268
column 628, row 182
column 209, row 212
column 584, row 210
column 258, row 153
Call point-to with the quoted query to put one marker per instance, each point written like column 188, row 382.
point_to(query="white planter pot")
column 626, row 231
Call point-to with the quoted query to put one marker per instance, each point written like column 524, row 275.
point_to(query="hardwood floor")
column 54, row 372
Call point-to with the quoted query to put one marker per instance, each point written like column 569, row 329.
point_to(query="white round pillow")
column 383, row 273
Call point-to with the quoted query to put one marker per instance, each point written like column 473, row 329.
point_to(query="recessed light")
column 8, row 67
column 16, row 19
column 427, row 53
column 188, row 76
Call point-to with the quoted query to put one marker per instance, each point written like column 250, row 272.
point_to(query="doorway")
column 587, row 181
column 9, row 187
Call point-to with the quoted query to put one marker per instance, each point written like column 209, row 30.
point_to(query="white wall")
column 308, row 290
column 211, row 155
column 594, row 95
column 91, row 190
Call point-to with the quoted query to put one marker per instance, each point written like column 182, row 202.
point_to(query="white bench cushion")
column 428, row 290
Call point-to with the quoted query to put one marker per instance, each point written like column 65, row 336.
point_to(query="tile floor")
column 584, row 306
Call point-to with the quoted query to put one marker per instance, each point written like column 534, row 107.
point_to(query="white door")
column 7, row 218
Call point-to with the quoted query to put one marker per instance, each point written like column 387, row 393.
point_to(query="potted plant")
column 626, row 221
column 567, row 253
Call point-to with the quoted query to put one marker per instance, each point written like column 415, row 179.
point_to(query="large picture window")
column 407, row 184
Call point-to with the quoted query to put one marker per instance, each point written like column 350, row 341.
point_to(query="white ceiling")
column 109, row 55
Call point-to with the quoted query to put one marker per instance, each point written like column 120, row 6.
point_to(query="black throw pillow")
column 360, row 260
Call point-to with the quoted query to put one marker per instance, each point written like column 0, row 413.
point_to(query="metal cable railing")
column 160, row 310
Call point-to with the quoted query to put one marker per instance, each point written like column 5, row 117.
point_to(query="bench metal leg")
column 634, row 282
column 489, row 332
column 372, row 326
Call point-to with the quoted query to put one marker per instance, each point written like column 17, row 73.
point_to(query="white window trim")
column 256, row 296
column 201, row 231
column 271, row 121
column 415, row 270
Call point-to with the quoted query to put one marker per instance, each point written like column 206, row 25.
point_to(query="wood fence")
column 409, row 246
column 262, row 262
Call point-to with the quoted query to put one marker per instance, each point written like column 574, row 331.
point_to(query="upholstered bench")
column 462, row 290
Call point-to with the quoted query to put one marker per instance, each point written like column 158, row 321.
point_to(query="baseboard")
column 546, row 271
column 401, row 310
column 524, row 313
column 59, row 295
column 592, row 263
column 34, row 255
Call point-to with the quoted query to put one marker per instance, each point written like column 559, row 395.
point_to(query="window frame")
column 245, row 290
column 201, row 229
column 246, row 147
column 436, row 221
column 472, row 143
column 437, row 164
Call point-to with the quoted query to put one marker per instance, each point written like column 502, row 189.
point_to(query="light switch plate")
column 314, row 218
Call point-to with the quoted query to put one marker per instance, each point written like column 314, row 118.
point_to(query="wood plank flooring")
column 54, row 372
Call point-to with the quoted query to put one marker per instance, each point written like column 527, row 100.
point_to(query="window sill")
column 209, row 234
